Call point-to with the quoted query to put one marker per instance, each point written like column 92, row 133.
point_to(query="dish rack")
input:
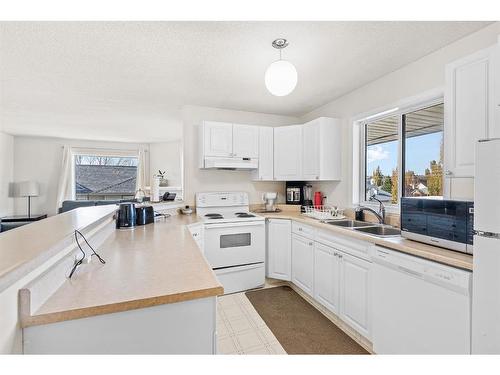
column 324, row 212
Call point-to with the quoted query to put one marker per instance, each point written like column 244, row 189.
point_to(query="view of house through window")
column 422, row 135
column 105, row 177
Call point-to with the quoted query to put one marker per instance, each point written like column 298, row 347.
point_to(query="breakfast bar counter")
column 149, row 265
column 155, row 285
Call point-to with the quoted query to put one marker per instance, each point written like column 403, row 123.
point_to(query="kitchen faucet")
column 379, row 215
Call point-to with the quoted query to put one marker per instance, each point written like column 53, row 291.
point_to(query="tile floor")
column 241, row 330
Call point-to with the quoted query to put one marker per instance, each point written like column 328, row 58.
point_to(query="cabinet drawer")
column 303, row 229
column 351, row 246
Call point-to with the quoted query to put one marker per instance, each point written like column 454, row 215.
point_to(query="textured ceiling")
column 62, row 77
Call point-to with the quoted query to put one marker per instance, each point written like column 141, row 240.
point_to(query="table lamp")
column 29, row 189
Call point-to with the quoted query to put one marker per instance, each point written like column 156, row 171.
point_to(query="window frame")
column 401, row 109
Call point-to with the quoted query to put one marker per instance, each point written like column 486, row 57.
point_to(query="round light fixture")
column 281, row 75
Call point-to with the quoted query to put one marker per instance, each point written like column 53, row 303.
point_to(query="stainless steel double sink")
column 378, row 230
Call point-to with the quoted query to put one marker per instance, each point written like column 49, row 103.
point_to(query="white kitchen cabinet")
column 303, row 263
column 265, row 172
column 217, row 138
column 495, row 95
column 288, row 153
column 471, row 102
column 327, row 267
column 355, row 293
column 322, row 149
column 279, row 249
column 310, row 150
column 245, row 141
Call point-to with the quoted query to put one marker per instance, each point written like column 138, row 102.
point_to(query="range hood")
column 231, row 163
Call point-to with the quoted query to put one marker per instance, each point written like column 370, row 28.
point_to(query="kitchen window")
column 101, row 177
column 402, row 154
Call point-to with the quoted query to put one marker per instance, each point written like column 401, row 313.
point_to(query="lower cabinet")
column 341, row 284
column 303, row 263
column 279, row 249
column 328, row 272
column 355, row 293
column 327, row 277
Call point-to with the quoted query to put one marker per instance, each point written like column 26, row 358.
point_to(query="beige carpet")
column 298, row 326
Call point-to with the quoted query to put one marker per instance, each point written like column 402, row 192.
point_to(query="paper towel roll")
column 155, row 189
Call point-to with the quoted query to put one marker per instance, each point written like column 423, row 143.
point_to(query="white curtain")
column 142, row 178
column 66, row 186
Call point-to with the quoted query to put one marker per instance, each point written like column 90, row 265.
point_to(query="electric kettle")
column 126, row 216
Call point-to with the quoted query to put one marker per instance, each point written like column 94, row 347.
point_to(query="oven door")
column 235, row 244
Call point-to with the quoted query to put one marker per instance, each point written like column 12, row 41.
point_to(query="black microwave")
column 440, row 222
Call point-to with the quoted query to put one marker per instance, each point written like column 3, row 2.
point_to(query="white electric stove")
column 234, row 239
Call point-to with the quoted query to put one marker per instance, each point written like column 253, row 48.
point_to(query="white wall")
column 167, row 156
column 418, row 77
column 39, row 159
column 217, row 180
column 6, row 173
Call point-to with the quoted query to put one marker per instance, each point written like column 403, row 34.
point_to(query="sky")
column 419, row 152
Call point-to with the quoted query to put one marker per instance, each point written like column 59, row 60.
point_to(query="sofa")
column 72, row 204
column 4, row 227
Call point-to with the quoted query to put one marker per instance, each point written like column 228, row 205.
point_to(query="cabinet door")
column 266, row 157
column 279, row 249
column 327, row 276
column 311, row 150
column 494, row 124
column 288, row 153
column 355, row 293
column 245, row 141
column 217, row 138
column 303, row 263
column 468, row 86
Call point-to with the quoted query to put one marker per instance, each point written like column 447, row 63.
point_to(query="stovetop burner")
column 244, row 214
column 214, row 216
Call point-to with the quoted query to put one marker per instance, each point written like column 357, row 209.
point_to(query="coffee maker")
column 295, row 192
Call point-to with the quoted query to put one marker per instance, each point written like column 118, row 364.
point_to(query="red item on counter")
column 318, row 198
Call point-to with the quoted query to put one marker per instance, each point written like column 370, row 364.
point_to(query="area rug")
column 298, row 326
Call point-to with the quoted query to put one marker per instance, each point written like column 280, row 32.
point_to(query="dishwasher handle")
column 410, row 272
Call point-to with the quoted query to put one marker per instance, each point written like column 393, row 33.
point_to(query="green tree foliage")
column 377, row 176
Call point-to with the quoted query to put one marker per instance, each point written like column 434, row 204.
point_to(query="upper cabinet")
column 217, row 138
column 321, row 149
column 288, row 153
column 228, row 146
column 308, row 152
column 245, row 141
column 471, row 108
column 265, row 172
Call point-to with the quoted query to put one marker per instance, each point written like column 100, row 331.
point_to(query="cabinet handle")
column 448, row 173
column 300, row 229
column 310, row 243
column 317, row 177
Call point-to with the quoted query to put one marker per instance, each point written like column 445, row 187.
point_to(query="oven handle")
column 231, row 225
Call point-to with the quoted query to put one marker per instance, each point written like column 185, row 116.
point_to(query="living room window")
column 403, row 154
column 101, row 177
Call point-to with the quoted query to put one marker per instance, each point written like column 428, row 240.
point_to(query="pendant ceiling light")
column 281, row 75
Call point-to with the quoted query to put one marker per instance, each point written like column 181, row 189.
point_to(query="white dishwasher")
column 419, row 306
